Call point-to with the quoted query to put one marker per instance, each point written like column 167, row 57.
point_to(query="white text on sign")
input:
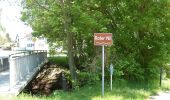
column 103, row 39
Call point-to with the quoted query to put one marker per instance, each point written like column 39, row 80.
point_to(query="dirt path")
column 161, row 96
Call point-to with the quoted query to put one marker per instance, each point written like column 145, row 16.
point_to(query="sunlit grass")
column 166, row 85
column 122, row 90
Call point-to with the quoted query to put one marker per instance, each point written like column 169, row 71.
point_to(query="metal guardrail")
column 23, row 64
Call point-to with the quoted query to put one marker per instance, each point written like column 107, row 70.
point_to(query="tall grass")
column 122, row 90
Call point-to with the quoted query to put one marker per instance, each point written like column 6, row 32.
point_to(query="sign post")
column 102, row 39
column 111, row 73
column 103, row 70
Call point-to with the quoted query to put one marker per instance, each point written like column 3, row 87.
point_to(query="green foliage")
column 52, row 52
column 140, row 29
column 86, row 78
column 59, row 60
column 4, row 39
column 140, row 38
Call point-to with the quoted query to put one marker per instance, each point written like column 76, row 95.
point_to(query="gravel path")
column 161, row 96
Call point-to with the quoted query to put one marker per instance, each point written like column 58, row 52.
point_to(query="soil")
column 51, row 77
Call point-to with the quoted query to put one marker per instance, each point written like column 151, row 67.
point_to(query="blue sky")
column 10, row 18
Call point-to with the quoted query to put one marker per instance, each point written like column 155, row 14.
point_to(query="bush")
column 85, row 78
column 52, row 52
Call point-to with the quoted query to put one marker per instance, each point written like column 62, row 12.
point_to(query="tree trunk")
column 71, row 56
column 65, row 5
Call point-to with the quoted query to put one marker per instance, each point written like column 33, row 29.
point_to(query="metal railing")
column 24, row 64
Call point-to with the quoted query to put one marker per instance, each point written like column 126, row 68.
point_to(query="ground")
column 161, row 96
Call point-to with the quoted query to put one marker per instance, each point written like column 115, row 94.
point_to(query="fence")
column 24, row 64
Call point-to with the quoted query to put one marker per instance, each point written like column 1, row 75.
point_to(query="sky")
column 10, row 18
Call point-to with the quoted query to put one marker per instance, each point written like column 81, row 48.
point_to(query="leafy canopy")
column 140, row 28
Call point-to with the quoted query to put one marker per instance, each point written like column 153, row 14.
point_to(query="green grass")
column 60, row 60
column 122, row 90
column 165, row 85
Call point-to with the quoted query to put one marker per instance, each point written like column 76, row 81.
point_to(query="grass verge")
column 122, row 90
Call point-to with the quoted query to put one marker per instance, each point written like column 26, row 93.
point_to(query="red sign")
column 101, row 39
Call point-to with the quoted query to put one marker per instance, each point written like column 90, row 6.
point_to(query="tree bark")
column 65, row 6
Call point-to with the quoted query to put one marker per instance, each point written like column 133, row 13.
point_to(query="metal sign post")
column 111, row 73
column 103, row 39
column 103, row 70
column 111, row 82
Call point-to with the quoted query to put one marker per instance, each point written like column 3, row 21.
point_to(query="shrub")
column 85, row 78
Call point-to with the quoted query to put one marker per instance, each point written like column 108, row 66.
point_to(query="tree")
column 65, row 6
column 50, row 29
column 2, row 40
column 140, row 31
column 8, row 37
column 141, row 36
